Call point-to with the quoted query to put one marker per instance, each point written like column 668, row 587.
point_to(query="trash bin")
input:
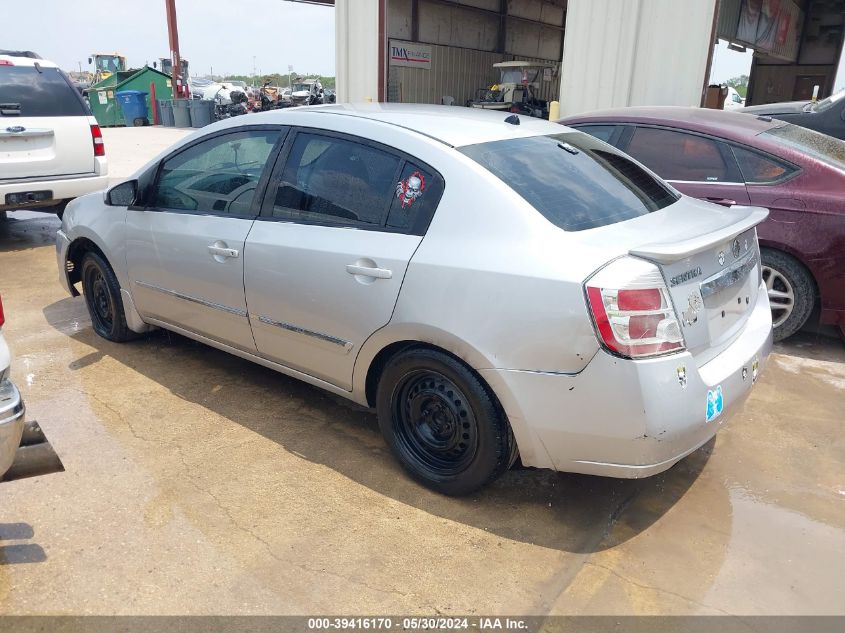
column 181, row 114
column 165, row 112
column 133, row 104
column 202, row 112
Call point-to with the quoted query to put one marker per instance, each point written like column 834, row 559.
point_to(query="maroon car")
column 737, row 159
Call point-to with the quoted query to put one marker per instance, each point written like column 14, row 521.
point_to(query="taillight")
column 5, row 62
column 2, row 316
column 97, row 137
column 632, row 309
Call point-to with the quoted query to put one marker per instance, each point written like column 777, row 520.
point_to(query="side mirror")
column 122, row 195
column 90, row 61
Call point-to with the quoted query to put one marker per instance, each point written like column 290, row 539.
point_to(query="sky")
column 728, row 64
column 223, row 34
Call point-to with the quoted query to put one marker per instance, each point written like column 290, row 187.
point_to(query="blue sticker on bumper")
column 715, row 403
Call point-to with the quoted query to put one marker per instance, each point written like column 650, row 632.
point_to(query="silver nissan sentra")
column 495, row 286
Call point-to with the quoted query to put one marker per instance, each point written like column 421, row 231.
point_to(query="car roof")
column 16, row 60
column 730, row 124
column 454, row 126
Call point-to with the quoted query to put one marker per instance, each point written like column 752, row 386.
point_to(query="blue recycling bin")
column 133, row 104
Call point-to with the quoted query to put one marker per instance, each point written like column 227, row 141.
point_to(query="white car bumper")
column 60, row 189
column 12, row 413
column 624, row 418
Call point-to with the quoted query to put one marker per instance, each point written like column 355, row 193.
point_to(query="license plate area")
column 24, row 198
column 713, row 289
column 730, row 296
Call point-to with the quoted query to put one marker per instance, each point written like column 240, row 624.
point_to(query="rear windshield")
column 577, row 182
column 820, row 146
column 30, row 92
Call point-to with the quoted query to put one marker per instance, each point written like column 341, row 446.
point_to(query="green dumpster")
column 101, row 96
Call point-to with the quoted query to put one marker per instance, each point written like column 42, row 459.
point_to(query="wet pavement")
column 198, row 483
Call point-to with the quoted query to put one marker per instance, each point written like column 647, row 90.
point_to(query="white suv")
column 51, row 148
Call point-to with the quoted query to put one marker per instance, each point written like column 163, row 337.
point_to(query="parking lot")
column 198, row 483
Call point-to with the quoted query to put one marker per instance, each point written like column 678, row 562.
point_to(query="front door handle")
column 222, row 251
column 725, row 202
column 366, row 271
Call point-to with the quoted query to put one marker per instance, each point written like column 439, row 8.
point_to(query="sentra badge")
column 690, row 274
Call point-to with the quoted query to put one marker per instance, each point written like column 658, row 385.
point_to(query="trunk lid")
column 710, row 260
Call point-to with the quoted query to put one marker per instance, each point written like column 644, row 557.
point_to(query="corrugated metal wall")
column 463, row 42
column 356, row 50
column 457, row 72
column 637, row 52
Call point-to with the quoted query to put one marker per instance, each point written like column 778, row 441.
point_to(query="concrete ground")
column 199, row 483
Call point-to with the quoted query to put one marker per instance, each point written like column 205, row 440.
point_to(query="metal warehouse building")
column 594, row 53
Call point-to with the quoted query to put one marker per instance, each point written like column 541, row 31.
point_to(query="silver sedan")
column 495, row 287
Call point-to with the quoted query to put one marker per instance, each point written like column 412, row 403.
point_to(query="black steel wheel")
column 102, row 296
column 434, row 423
column 442, row 422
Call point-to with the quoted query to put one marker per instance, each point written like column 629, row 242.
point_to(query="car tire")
column 102, row 296
column 442, row 423
column 792, row 292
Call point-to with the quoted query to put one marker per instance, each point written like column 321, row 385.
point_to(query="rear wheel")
column 441, row 422
column 791, row 292
column 102, row 295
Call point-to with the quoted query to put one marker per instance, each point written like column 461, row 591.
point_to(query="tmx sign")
column 410, row 55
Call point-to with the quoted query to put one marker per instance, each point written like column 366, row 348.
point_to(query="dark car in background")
column 735, row 159
column 826, row 116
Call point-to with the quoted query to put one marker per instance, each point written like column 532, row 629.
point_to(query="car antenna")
column 513, row 120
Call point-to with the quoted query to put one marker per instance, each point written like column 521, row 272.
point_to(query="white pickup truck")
column 51, row 148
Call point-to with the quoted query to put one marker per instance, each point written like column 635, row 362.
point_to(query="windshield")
column 109, row 64
column 301, row 87
column 576, row 181
column 824, row 104
column 820, row 146
column 26, row 91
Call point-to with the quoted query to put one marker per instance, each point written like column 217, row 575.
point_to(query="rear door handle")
column 222, row 251
column 725, row 202
column 377, row 273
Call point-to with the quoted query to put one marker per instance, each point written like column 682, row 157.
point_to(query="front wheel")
column 791, row 292
column 102, row 296
column 442, row 423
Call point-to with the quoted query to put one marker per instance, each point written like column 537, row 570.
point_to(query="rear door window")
column 681, row 156
column 415, row 199
column 757, row 168
column 28, row 91
column 574, row 180
column 332, row 180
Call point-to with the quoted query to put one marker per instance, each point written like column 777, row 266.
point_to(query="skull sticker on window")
column 410, row 189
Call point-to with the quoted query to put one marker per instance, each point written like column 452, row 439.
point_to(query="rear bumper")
column 630, row 419
column 62, row 189
column 12, row 413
